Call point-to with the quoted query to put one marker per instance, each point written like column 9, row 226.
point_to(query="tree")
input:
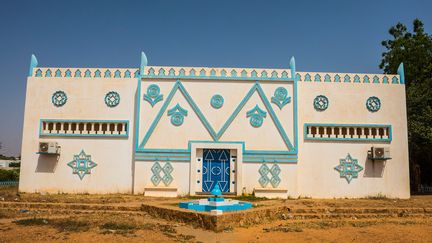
column 415, row 51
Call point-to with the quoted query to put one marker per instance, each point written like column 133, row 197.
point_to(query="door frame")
column 236, row 149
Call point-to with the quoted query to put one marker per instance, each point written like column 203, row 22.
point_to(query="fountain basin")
column 215, row 203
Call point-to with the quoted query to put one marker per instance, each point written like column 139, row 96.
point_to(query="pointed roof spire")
column 33, row 64
column 143, row 63
column 401, row 73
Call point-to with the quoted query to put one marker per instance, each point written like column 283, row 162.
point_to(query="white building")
column 168, row 131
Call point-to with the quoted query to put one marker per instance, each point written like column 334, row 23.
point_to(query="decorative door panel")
column 216, row 169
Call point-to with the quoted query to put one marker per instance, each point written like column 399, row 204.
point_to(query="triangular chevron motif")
column 216, row 136
column 177, row 87
column 257, row 88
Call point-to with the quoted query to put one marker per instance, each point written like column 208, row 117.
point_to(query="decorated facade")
column 170, row 131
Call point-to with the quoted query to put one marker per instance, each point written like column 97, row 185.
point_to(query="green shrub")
column 9, row 175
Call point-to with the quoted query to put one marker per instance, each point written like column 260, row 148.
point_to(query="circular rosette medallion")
column 373, row 104
column 112, row 99
column 59, row 98
column 177, row 119
column 280, row 93
column 256, row 120
column 153, row 90
column 321, row 103
column 217, row 101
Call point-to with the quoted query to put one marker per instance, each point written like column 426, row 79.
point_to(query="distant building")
column 6, row 163
column 168, row 131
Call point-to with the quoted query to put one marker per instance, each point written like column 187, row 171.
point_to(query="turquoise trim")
column 33, row 64
column 107, row 74
column 217, row 136
column 137, row 112
column 212, row 75
column 117, row 74
column 144, row 63
column 178, row 86
column 41, row 134
column 153, row 95
column 366, row 79
column 280, row 97
column 177, row 114
column 356, row 79
column 306, row 125
column 77, row 73
column 347, row 79
column 68, row 73
column 252, row 156
column 401, row 72
column 257, row 88
column 256, row 116
column 292, row 66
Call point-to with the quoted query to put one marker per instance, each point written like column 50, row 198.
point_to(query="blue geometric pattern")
column 373, row 104
column 256, row 116
column 280, row 97
column 273, row 179
column 321, row 103
column 217, row 101
column 112, row 99
column 216, row 169
column 348, row 168
column 82, row 164
column 177, row 114
column 59, row 98
column 153, row 95
column 216, row 135
column 166, row 178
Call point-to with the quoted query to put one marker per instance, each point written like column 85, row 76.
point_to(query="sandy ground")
column 17, row 225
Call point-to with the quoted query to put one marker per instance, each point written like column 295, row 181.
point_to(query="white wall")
column 113, row 156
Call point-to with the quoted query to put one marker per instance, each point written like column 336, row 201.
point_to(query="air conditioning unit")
column 48, row 148
column 380, row 153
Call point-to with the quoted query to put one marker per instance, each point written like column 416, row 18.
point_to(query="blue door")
column 216, row 169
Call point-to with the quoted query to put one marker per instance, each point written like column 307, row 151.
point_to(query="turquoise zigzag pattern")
column 216, row 136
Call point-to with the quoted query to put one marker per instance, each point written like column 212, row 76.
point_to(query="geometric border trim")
column 387, row 127
column 216, row 135
column 62, row 134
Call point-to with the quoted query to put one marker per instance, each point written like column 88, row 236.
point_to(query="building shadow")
column 46, row 163
column 374, row 168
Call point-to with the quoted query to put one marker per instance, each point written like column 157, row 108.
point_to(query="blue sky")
column 342, row 36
